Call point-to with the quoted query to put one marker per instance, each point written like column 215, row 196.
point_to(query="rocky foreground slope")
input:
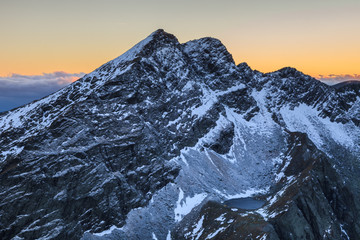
column 149, row 145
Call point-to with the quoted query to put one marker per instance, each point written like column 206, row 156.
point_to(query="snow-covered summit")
column 158, row 37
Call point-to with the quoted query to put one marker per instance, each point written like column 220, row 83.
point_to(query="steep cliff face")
column 149, row 144
column 319, row 199
column 309, row 201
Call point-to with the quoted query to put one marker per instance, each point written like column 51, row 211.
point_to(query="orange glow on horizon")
column 315, row 37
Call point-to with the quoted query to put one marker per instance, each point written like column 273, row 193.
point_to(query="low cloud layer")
column 17, row 89
column 334, row 79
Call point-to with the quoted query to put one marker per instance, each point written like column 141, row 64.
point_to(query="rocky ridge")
column 152, row 141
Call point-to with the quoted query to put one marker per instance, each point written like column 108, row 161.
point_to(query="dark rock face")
column 84, row 158
column 105, row 149
column 314, row 204
column 321, row 202
column 222, row 143
column 232, row 225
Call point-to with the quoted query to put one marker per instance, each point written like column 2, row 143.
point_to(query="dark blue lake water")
column 244, row 203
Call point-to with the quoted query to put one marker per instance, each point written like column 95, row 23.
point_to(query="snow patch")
column 263, row 213
column 12, row 151
column 197, row 231
column 209, row 98
column 247, row 193
column 221, row 218
column 61, row 195
column 168, row 237
column 216, row 232
column 106, row 232
column 185, row 205
column 344, row 232
column 263, row 237
column 304, row 118
column 154, row 236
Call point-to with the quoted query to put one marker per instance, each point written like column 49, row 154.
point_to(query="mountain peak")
column 210, row 52
column 287, row 72
column 208, row 45
column 158, row 31
column 154, row 40
column 178, row 125
column 161, row 34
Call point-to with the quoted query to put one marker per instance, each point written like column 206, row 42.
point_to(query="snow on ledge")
column 185, row 205
column 106, row 232
column 247, row 193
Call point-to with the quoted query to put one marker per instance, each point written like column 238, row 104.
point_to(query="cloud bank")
column 17, row 89
column 334, row 78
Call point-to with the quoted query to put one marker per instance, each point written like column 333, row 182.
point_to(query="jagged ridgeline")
column 151, row 144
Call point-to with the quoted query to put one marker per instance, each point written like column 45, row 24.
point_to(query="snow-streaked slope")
column 248, row 168
column 137, row 147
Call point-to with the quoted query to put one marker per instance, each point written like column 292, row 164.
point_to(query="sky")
column 46, row 44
